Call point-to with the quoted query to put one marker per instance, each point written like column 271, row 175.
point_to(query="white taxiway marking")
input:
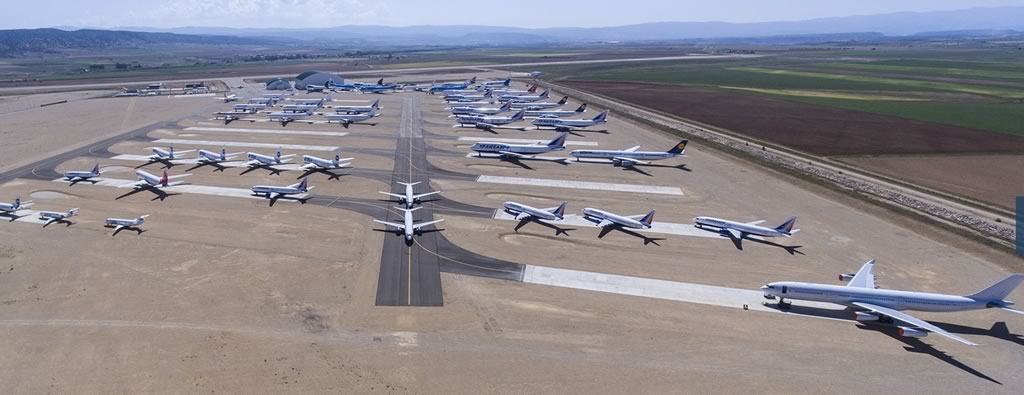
column 524, row 141
column 193, row 189
column 267, row 131
column 246, row 145
column 599, row 186
column 656, row 227
column 660, row 289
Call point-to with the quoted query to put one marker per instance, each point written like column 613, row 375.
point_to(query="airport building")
column 316, row 78
column 278, row 84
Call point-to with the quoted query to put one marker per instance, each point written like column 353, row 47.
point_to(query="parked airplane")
column 870, row 304
column 380, row 87
column 348, row 119
column 525, row 98
column 507, row 150
column 556, row 113
column 75, row 176
column 317, row 102
column 522, row 211
column 316, row 163
column 451, row 86
column 147, row 180
column 230, row 98
column 285, row 117
column 275, row 192
column 124, row 223
column 409, row 227
column 489, row 120
column 479, row 103
column 505, row 82
column 409, row 199
column 210, row 157
column 606, row 219
column 507, row 91
column 229, row 116
column 534, row 106
column 299, row 107
column 470, row 110
column 740, row 230
column 468, row 97
column 11, row 208
column 571, row 124
column 258, row 160
column 357, row 109
column 165, row 156
column 250, row 107
column 57, row 216
column 631, row 156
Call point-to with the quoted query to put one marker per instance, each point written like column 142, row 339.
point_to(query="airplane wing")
column 400, row 196
column 631, row 149
column 865, row 277
column 184, row 151
column 118, row 228
column 425, row 194
column 287, row 156
column 50, row 221
column 171, row 184
column 523, row 215
column 908, row 319
column 514, row 154
column 179, row 176
column 421, row 225
column 605, row 223
column 310, row 166
column 735, row 234
column 630, row 161
column 758, row 222
column 396, row 225
column 135, row 184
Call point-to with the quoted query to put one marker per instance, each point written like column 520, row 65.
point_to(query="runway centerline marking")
column 598, row 186
column 246, row 145
column 266, row 131
column 525, row 141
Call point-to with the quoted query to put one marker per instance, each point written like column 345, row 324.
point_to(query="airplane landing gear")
column 784, row 305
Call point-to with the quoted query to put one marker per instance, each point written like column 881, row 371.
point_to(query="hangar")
column 316, row 78
column 278, row 84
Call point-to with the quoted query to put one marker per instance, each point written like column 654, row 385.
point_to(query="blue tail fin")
column 679, row 148
column 96, row 169
column 558, row 142
column 565, row 99
column 786, row 227
column 648, row 219
column 560, row 211
column 601, row 117
column 582, row 109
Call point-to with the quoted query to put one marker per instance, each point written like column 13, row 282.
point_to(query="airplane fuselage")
column 723, row 224
column 612, row 154
column 83, row 175
column 518, row 208
column 558, row 122
column 525, row 149
column 597, row 214
column 269, row 190
column 897, row 300
column 321, row 162
column 264, row 159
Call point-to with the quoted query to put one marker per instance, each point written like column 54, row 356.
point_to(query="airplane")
column 299, row 107
column 478, row 103
column 274, row 192
column 122, row 223
column 230, row 98
column 489, row 120
column 571, row 124
column 348, row 119
column 506, row 150
column 160, row 155
column 451, row 86
column 380, row 87
column 505, row 82
column 11, row 208
column 357, row 109
column 468, row 97
column 147, row 180
column 555, row 113
column 285, row 117
column 74, row 176
column 739, row 230
column 260, row 160
column 409, row 198
column 250, row 107
column 409, row 227
column 210, row 157
column 317, row 102
column 468, row 110
column 508, row 91
column 522, row 211
column 57, row 216
column 268, row 101
column 606, row 219
column 631, row 156
column 229, row 116
column 317, row 163
column 310, row 88
column 870, row 304
column 534, row 106
column 525, row 98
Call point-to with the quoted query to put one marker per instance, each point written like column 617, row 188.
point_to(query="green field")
column 971, row 70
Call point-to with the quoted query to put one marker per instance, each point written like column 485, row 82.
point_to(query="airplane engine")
column 846, row 276
column 861, row 316
column 911, row 332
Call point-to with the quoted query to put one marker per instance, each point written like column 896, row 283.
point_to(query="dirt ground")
column 996, row 179
column 814, row 129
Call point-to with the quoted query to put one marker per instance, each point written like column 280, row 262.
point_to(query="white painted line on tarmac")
column 191, row 189
column 247, row 145
column 524, row 141
column 267, row 131
column 663, row 289
column 599, row 186
column 667, row 228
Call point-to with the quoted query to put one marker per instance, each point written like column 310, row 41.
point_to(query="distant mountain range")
column 968, row 23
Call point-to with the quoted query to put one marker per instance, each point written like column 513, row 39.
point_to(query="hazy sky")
column 523, row 13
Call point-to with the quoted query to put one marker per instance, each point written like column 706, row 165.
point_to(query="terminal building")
column 278, row 84
column 316, row 78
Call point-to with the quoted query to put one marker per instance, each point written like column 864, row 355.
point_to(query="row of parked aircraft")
column 299, row 109
column 50, row 217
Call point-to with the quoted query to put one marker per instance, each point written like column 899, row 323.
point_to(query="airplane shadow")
column 330, row 174
column 273, row 171
column 558, row 230
column 216, row 166
column 738, row 243
column 301, row 200
column 915, row 345
column 13, row 216
column 137, row 230
column 73, row 183
column 167, row 164
column 62, row 221
column 160, row 195
column 647, row 240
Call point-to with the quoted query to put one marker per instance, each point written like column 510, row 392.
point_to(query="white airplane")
column 463, row 96
column 317, row 163
column 147, row 180
column 570, row 124
column 250, row 107
column 161, row 155
column 409, row 227
column 230, row 98
column 274, row 192
column 870, row 304
column 489, row 120
column 122, row 223
column 357, row 109
column 348, row 119
column 533, row 106
column 505, row 82
column 229, row 116
column 556, row 113
column 318, row 102
column 258, row 160
column 11, row 208
column 606, row 219
column 57, row 216
column 507, row 150
column 479, row 103
column 470, row 110
column 75, row 176
column 525, row 98
column 409, row 198
column 522, row 211
column 210, row 157
column 631, row 156
column 299, row 107
column 740, row 230
column 284, row 117
column 509, row 91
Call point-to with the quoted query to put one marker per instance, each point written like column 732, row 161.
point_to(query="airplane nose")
column 764, row 287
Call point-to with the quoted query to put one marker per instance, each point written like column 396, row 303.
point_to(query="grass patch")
column 895, row 83
column 934, row 68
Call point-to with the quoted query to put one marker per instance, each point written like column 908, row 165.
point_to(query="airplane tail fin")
column 560, row 211
column 532, row 88
column 679, row 148
column 519, row 115
column 565, row 99
column 648, row 219
column 303, row 186
column 998, row 291
column 507, row 106
column 508, row 81
column 163, row 179
column 601, row 117
column 409, row 209
column 787, row 227
column 380, row 81
column 545, row 94
column 96, row 169
column 376, row 104
column 472, row 80
column 558, row 142
column 582, row 108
